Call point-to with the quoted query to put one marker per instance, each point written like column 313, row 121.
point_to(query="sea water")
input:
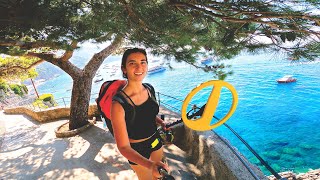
column 279, row 121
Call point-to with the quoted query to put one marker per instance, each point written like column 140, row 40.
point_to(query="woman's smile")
column 138, row 73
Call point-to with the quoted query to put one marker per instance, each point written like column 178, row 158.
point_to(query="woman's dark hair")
column 127, row 53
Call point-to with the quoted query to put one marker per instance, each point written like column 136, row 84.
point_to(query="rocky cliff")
column 311, row 175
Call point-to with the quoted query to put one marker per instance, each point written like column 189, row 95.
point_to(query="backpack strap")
column 125, row 105
column 128, row 97
column 151, row 90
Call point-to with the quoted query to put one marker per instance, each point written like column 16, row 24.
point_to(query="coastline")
column 37, row 83
column 310, row 175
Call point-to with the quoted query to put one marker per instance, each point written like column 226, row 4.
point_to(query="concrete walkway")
column 30, row 150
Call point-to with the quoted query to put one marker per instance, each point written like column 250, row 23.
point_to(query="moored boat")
column 206, row 61
column 156, row 69
column 98, row 80
column 286, row 79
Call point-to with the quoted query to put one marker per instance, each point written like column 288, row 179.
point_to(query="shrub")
column 39, row 103
column 24, row 87
column 45, row 101
column 4, row 86
column 46, row 97
column 19, row 89
column 16, row 89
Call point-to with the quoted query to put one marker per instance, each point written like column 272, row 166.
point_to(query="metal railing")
column 59, row 102
column 269, row 168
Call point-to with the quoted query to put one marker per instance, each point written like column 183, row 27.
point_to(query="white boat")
column 206, row 61
column 98, row 80
column 154, row 60
column 156, row 69
column 286, row 79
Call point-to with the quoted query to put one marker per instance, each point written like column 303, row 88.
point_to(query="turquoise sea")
column 280, row 121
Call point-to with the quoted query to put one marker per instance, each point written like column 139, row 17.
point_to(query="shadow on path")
column 30, row 150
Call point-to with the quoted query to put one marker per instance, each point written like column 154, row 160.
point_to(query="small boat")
column 206, row 61
column 155, row 60
column 156, row 69
column 98, row 80
column 286, row 79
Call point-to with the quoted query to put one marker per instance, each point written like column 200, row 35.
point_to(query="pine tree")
column 174, row 28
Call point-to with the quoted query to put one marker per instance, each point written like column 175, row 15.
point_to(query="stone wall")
column 212, row 156
column 48, row 114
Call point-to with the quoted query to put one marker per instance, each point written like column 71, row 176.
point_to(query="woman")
column 139, row 141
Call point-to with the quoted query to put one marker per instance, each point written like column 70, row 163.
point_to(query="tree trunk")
column 82, row 83
column 80, row 99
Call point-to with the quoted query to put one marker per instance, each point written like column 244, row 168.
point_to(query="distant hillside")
column 80, row 58
column 10, row 98
column 46, row 71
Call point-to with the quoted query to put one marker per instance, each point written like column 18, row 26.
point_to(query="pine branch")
column 133, row 15
column 97, row 59
column 22, row 68
column 252, row 18
column 68, row 54
column 66, row 66
column 30, row 45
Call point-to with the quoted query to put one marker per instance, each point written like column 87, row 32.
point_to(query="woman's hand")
column 163, row 125
column 161, row 122
column 155, row 166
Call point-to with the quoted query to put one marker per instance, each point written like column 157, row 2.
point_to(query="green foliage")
column 235, row 26
column 290, row 36
column 46, row 97
column 16, row 67
column 45, row 101
column 4, row 86
column 25, row 89
column 19, row 89
column 31, row 73
column 16, row 89
column 57, row 22
column 15, row 50
column 39, row 103
column 178, row 29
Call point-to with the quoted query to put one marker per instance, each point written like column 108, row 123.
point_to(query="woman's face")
column 136, row 66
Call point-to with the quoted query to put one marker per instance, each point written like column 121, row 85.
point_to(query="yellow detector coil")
column 203, row 123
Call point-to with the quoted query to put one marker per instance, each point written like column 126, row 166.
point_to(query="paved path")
column 30, row 150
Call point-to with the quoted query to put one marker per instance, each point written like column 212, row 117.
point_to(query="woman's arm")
column 122, row 139
column 161, row 122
